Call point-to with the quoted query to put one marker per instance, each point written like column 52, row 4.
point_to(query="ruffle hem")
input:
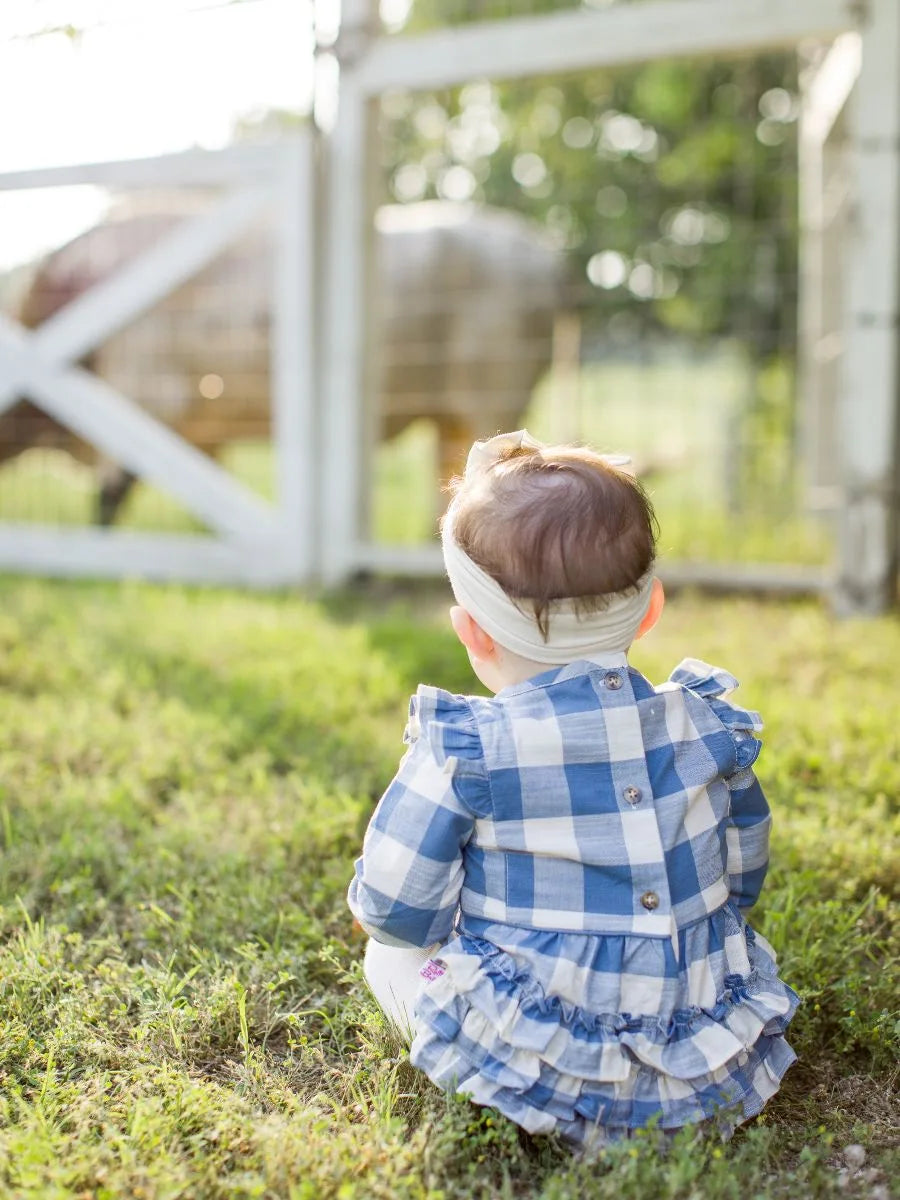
column 488, row 1030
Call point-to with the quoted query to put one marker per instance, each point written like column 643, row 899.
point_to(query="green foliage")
column 682, row 173
column 184, row 780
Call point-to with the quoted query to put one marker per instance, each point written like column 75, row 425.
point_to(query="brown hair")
column 555, row 523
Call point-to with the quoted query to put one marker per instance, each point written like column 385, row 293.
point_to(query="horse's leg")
column 455, row 435
column 115, row 484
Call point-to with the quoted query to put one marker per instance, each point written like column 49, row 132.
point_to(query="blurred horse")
column 463, row 306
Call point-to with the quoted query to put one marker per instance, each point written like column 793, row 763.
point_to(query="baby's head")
column 550, row 552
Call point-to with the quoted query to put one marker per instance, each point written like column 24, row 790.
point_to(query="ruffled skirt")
column 597, row 1035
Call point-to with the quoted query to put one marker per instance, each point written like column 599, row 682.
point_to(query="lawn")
column 185, row 776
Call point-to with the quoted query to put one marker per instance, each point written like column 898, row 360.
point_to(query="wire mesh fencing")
column 197, row 360
column 663, row 198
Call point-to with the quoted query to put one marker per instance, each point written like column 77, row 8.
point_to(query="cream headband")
column 571, row 635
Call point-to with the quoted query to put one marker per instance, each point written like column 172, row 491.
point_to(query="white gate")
column 252, row 541
column 866, row 407
column 825, row 200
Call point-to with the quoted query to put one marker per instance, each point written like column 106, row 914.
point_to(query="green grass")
column 184, row 781
column 676, row 417
column 50, row 486
column 718, row 498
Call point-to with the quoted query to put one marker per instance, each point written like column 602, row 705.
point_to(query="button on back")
column 650, row 900
column 633, row 794
column 613, row 681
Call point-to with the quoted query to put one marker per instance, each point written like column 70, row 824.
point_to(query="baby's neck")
column 511, row 669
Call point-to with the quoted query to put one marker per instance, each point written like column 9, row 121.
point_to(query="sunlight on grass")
column 51, row 487
column 46, row 485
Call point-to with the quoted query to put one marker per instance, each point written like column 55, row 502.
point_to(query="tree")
column 672, row 184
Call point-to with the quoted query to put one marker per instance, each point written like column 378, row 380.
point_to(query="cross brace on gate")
column 257, row 542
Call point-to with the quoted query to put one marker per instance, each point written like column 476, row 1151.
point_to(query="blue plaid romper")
column 580, row 847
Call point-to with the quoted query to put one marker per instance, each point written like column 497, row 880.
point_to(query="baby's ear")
column 654, row 609
column 479, row 644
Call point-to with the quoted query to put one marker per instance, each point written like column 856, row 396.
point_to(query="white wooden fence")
column 252, row 541
column 825, row 194
column 315, row 529
column 866, row 402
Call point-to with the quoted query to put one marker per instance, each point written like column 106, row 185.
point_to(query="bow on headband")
column 485, row 454
column 572, row 635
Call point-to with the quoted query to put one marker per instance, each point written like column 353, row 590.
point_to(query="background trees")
column 672, row 185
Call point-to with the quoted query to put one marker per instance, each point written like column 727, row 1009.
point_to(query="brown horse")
column 464, row 306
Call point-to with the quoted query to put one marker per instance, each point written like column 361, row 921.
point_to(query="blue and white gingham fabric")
column 580, row 848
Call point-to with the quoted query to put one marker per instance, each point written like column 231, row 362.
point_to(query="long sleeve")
column 410, row 874
column 747, row 838
column 747, row 831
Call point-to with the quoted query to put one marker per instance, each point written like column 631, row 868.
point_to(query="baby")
column 555, row 881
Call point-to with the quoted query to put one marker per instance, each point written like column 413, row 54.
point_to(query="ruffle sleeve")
column 408, row 879
column 713, row 684
column 446, row 724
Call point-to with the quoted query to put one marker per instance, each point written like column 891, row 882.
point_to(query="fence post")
column 292, row 371
column 348, row 242
column 827, row 83
column 870, row 392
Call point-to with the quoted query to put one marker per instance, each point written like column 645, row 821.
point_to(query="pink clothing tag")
column 433, row 969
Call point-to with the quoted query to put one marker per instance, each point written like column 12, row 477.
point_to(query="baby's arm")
column 409, row 877
column 747, row 838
